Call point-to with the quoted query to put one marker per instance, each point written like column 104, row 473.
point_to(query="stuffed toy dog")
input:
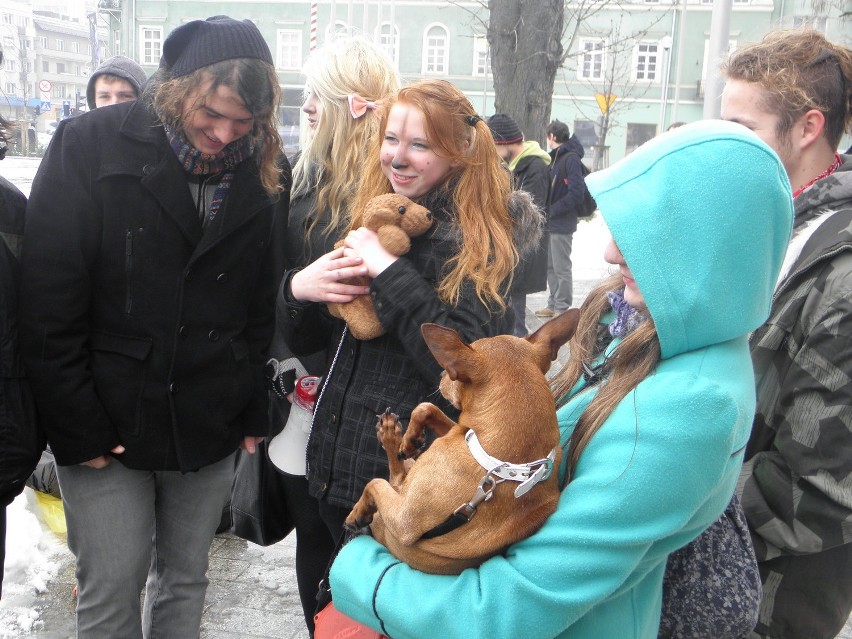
column 395, row 219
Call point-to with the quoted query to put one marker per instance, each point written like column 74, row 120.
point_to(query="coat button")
column 188, row 275
column 333, row 418
column 183, row 331
column 213, row 335
column 147, row 169
column 222, row 277
column 173, row 388
column 293, row 313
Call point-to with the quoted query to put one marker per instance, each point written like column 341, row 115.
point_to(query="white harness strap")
column 527, row 475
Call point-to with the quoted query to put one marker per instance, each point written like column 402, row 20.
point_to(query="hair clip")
column 472, row 119
column 358, row 106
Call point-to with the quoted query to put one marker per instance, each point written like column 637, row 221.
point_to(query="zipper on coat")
column 128, row 270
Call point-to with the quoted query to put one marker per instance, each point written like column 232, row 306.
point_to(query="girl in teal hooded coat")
column 655, row 407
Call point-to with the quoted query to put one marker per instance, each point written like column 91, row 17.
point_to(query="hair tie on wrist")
column 358, row 106
column 472, row 119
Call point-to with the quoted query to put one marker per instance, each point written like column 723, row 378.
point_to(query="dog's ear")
column 555, row 333
column 454, row 356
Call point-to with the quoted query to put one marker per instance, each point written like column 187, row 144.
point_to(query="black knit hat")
column 201, row 43
column 504, row 129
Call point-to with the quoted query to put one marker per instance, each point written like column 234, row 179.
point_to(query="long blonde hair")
column 632, row 361
column 333, row 158
column 487, row 253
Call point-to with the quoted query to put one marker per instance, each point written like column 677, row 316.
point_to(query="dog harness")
column 497, row 471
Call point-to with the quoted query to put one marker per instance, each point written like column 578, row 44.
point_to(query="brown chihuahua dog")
column 499, row 462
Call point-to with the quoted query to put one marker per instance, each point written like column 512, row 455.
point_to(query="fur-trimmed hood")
column 527, row 222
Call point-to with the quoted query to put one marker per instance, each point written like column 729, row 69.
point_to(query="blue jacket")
column 566, row 186
column 664, row 464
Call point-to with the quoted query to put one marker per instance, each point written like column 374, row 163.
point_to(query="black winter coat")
column 567, row 187
column 138, row 328
column 395, row 370
column 533, row 176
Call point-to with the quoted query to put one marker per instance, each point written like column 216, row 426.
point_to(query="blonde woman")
column 346, row 84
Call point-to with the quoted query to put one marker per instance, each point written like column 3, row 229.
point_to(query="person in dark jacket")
column 323, row 190
column 528, row 163
column 794, row 89
column 567, row 188
column 152, row 252
column 117, row 79
column 437, row 151
column 21, row 442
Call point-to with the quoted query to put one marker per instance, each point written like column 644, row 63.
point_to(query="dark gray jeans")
column 126, row 526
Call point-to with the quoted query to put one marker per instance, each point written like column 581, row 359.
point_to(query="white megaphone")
column 287, row 450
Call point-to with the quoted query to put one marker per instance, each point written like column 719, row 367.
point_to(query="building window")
column 388, row 39
column 7, row 18
column 150, row 44
column 480, row 56
column 59, row 91
column 10, row 88
column 436, row 50
column 43, row 40
column 60, row 67
column 289, row 49
column 587, row 133
column 592, row 59
column 8, row 41
column 10, row 66
column 45, row 66
column 637, row 135
column 339, row 30
column 60, row 45
column 75, row 47
column 646, row 58
column 78, row 70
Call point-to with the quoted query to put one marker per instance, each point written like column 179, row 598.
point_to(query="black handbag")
column 259, row 512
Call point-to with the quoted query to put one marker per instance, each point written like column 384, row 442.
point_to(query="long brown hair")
column 253, row 80
column 632, row 361
column 487, row 253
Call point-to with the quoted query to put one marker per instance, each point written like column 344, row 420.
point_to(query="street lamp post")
column 666, row 44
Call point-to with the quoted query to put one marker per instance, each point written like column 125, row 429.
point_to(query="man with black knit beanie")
column 152, row 253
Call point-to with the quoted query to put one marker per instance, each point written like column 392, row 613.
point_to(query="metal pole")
column 679, row 64
column 720, row 36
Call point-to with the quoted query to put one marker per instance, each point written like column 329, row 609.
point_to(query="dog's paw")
column 389, row 430
column 410, row 446
column 355, row 523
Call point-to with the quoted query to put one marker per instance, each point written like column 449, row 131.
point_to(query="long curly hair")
column 635, row 358
column 253, row 80
column 800, row 70
column 332, row 158
column 480, row 195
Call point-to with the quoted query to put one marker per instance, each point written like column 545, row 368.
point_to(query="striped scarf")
column 225, row 162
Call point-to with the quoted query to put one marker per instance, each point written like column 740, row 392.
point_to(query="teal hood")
column 703, row 215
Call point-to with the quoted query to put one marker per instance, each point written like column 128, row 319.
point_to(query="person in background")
column 434, row 149
column 21, row 442
column 566, row 195
column 528, row 163
column 117, row 79
column 794, row 89
column 658, row 387
column 346, row 83
column 152, row 252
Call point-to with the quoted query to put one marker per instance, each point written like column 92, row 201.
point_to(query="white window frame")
column 11, row 89
column 288, row 49
column 387, row 43
column 651, row 59
column 436, row 50
column 338, row 30
column 150, row 44
column 481, row 68
column 10, row 66
column 75, row 47
column 60, row 44
column 43, row 40
column 587, row 52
